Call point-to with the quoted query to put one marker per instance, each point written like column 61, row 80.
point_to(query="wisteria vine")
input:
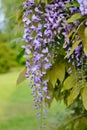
column 44, row 27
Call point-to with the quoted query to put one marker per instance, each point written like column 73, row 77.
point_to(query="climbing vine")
column 55, row 32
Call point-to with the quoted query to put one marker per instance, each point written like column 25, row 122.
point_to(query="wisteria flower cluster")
column 83, row 6
column 38, row 57
column 46, row 32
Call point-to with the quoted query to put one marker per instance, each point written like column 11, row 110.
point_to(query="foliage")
column 10, row 18
column 7, row 58
column 14, row 37
column 3, row 37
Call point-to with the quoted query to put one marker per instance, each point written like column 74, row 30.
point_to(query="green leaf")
column 85, row 41
column 73, row 4
column 57, row 92
column 85, row 35
column 21, row 77
column 52, row 77
column 69, row 83
column 75, row 44
column 49, row 1
column 60, row 71
column 85, row 49
column 74, row 17
column 84, row 97
column 43, row 1
column 37, row 1
column 82, row 32
column 57, row 72
column 19, row 15
column 73, row 95
column 21, row 53
column 68, row 36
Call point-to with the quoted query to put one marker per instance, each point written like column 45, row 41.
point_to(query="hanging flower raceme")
column 38, row 58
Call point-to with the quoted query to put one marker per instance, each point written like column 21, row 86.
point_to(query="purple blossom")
column 83, row 6
column 45, row 50
column 47, row 65
column 37, row 50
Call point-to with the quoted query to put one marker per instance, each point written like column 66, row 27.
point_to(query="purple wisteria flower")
column 83, row 6
column 38, row 57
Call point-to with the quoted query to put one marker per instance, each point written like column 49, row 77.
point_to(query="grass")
column 16, row 106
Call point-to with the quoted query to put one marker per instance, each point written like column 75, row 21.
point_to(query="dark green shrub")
column 7, row 58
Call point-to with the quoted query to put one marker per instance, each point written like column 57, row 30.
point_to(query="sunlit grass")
column 16, row 105
column 7, row 87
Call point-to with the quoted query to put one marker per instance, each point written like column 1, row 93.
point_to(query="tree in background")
column 11, row 35
column 11, row 17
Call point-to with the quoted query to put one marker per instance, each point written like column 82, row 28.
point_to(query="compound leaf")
column 84, row 97
column 74, row 17
column 57, row 72
column 69, row 83
column 21, row 77
column 73, row 95
column 75, row 44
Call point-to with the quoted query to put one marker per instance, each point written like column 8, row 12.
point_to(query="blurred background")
column 10, row 36
column 16, row 103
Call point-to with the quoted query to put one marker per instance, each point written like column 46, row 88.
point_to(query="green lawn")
column 16, row 106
